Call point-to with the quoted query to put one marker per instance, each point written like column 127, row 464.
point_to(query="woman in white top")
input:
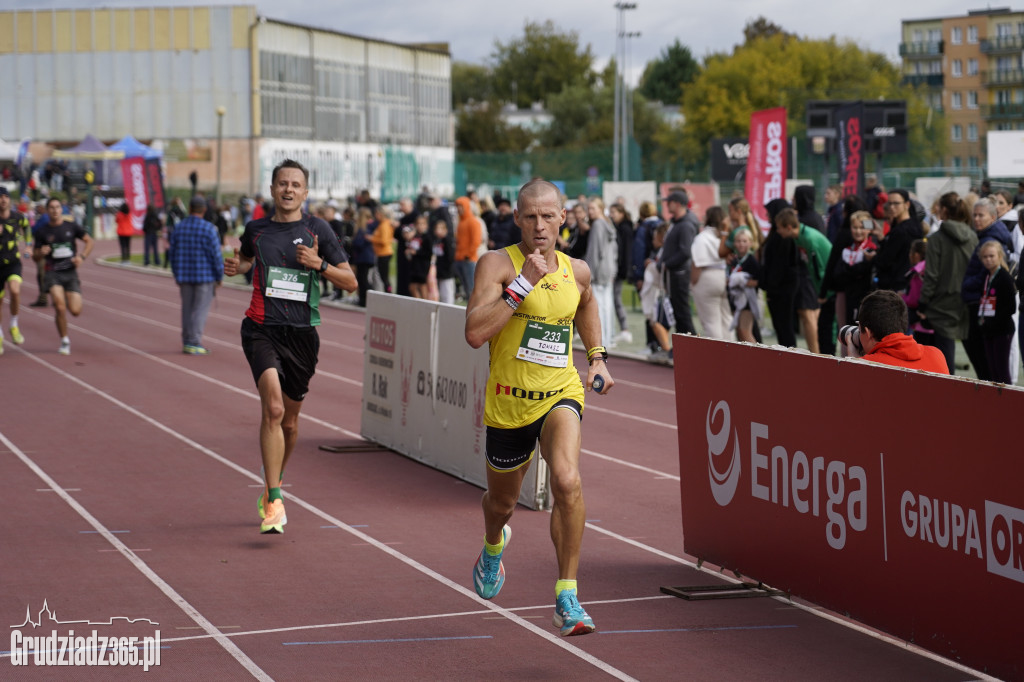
column 707, row 277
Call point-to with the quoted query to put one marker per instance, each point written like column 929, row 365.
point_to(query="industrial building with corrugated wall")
column 359, row 112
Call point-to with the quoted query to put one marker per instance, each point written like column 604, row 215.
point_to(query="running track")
column 131, row 473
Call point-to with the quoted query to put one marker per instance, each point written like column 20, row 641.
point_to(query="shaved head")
column 535, row 188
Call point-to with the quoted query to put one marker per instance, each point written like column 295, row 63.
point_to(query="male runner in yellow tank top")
column 526, row 301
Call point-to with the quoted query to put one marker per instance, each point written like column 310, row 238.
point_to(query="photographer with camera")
column 880, row 336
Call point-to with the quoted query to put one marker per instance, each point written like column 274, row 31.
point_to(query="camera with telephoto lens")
column 849, row 337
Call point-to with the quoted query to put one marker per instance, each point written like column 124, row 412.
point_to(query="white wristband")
column 521, row 286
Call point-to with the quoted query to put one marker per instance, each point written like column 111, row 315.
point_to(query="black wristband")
column 603, row 356
column 323, row 265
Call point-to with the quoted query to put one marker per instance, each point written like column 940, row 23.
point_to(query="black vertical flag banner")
column 155, row 184
column 850, row 141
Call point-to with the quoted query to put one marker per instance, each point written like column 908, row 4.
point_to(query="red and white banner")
column 766, row 163
column 135, row 194
column 893, row 496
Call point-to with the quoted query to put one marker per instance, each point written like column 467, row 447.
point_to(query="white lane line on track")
column 631, row 465
column 590, row 407
column 130, row 555
column 403, row 619
column 646, row 387
column 293, row 500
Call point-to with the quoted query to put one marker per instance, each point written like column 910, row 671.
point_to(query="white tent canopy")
column 8, row 151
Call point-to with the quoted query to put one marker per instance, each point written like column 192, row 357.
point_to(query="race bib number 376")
column 287, row 283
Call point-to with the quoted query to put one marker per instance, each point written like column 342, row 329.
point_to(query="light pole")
column 220, row 136
column 626, row 126
column 620, row 95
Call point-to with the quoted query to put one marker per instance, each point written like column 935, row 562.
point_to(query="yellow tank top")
column 531, row 357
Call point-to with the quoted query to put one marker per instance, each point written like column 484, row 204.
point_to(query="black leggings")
column 782, row 308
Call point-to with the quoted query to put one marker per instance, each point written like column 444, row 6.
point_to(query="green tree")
column 471, row 83
column 664, row 77
column 780, row 70
column 762, row 28
column 584, row 116
column 480, row 128
column 540, row 63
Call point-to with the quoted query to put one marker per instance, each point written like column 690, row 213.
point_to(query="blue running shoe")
column 570, row 618
column 489, row 572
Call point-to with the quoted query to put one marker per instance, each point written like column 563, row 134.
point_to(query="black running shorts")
column 292, row 351
column 509, row 449
column 8, row 271
column 68, row 279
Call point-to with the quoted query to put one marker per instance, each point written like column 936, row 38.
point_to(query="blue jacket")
column 362, row 249
column 642, row 246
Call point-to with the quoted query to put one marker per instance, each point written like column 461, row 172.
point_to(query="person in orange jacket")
column 468, row 237
column 882, row 324
column 383, row 240
column 125, row 230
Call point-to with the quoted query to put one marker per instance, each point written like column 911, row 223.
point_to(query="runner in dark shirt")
column 13, row 233
column 56, row 243
column 287, row 253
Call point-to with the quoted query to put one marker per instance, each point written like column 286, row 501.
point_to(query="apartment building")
column 969, row 68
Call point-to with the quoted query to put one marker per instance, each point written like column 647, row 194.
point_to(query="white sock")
column 14, row 321
column 65, row 339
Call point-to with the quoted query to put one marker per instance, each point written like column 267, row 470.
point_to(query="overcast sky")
column 470, row 27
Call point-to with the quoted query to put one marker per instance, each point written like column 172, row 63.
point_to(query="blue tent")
column 134, row 149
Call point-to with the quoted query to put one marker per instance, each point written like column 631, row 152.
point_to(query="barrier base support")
column 739, row 591
column 368, row 447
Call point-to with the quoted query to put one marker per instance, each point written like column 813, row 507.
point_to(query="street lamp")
column 620, row 54
column 220, row 136
column 626, row 98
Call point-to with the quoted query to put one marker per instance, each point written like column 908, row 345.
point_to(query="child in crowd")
column 852, row 272
column 995, row 312
column 444, row 260
column 743, row 297
column 919, row 328
column 419, row 251
column 654, row 297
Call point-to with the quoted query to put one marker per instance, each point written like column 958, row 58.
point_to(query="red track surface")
column 155, row 457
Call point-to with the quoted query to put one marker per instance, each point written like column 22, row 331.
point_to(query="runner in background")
column 56, row 244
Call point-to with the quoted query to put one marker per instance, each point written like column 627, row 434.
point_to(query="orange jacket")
column 124, row 224
column 467, row 234
column 383, row 238
column 900, row 350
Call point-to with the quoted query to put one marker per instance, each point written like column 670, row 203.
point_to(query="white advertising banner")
column 423, row 390
column 634, row 193
column 1005, row 153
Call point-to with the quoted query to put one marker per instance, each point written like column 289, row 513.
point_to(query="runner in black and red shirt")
column 287, row 252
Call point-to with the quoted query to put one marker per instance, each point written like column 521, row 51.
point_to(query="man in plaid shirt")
column 198, row 266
